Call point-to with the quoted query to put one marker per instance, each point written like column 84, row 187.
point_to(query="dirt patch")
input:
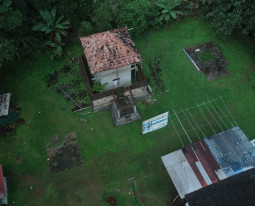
column 38, row 192
column 209, row 59
column 111, row 200
column 63, row 152
column 84, row 182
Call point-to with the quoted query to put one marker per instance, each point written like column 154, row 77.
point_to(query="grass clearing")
column 112, row 155
column 206, row 56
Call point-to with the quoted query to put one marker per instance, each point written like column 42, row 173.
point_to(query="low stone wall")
column 137, row 91
column 104, row 103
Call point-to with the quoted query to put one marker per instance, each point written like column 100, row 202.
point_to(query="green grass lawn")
column 112, row 155
column 206, row 56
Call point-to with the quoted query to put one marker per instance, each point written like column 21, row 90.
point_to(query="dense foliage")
column 17, row 18
column 229, row 16
column 10, row 21
column 76, row 10
column 134, row 14
column 103, row 17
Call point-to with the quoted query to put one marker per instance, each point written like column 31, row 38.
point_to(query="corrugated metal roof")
column 210, row 160
column 232, row 150
column 181, row 173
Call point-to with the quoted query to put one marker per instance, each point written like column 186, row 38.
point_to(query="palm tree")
column 54, row 27
column 171, row 9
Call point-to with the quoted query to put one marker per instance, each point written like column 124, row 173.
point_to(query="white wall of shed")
column 123, row 73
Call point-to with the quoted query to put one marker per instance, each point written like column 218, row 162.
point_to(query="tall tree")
column 134, row 14
column 229, row 16
column 10, row 20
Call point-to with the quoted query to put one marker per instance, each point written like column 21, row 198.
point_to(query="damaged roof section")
column 110, row 50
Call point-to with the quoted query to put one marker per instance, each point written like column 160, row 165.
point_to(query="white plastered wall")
column 115, row 77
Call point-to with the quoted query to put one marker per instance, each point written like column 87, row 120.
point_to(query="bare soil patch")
column 63, row 152
column 209, row 59
column 111, row 200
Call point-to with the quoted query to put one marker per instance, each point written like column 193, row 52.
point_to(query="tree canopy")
column 25, row 24
column 229, row 16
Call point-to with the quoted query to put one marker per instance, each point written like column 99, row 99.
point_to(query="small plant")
column 18, row 153
column 54, row 164
column 80, row 195
column 120, row 92
column 98, row 87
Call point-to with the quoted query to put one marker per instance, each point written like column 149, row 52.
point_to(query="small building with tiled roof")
column 111, row 57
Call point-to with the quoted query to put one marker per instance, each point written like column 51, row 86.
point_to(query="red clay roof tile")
column 110, row 50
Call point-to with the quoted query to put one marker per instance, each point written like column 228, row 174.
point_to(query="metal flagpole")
column 132, row 185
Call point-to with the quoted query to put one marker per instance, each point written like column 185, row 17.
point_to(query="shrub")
column 77, row 11
column 171, row 10
column 53, row 27
column 85, row 28
column 134, row 15
column 103, row 19
column 98, row 87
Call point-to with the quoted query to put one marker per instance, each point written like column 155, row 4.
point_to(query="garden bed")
column 63, row 152
column 209, row 59
column 67, row 82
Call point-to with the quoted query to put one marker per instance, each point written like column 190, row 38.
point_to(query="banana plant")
column 171, row 9
column 53, row 27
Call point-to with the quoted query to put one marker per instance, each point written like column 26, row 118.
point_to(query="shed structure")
column 112, row 57
column 211, row 160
